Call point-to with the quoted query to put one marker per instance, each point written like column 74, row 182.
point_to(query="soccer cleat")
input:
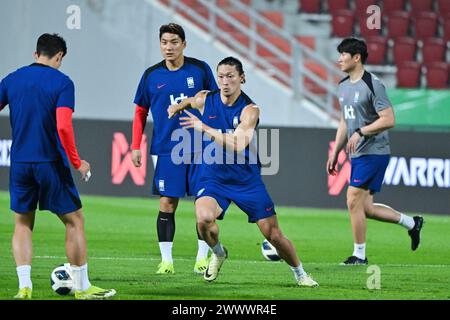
column 305, row 280
column 214, row 266
column 165, row 267
column 23, row 294
column 352, row 261
column 414, row 233
column 94, row 293
column 201, row 266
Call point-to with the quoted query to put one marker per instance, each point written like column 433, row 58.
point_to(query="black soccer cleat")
column 353, row 261
column 414, row 233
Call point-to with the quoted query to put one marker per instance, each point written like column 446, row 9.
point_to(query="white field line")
column 325, row 264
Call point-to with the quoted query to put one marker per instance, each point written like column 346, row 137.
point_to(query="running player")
column 230, row 118
column 168, row 82
column 366, row 115
column 41, row 100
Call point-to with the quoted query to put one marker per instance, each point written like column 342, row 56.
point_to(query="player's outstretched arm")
column 196, row 102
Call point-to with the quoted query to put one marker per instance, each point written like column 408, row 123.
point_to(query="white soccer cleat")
column 214, row 266
column 305, row 280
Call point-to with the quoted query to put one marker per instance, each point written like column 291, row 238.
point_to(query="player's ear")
column 36, row 55
column 243, row 78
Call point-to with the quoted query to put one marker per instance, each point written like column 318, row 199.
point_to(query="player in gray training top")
column 366, row 115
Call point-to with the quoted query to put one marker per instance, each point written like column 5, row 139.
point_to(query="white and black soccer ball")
column 61, row 280
column 269, row 252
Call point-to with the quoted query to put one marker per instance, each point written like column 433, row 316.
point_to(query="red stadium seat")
column 276, row 41
column 226, row 4
column 433, row 50
column 398, row 24
column 426, row 24
column 309, row 6
column 362, row 5
column 276, row 17
column 420, row 6
column 393, row 5
column 446, row 27
column 336, row 5
column 377, row 48
column 404, row 49
column 444, row 7
column 408, row 74
column 437, row 75
column 342, row 23
column 242, row 17
column 366, row 32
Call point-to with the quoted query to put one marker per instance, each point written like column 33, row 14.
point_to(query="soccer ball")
column 269, row 252
column 61, row 280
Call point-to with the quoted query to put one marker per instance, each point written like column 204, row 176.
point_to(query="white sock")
column 359, row 250
column 298, row 271
column 166, row 251
column 406, row 221
column 80, row 277
column 24, row 275
column 203, row 249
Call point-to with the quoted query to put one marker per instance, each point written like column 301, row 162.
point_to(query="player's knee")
column 352, row 202
column 274, row 236
column 204, row 216
column 167, row 204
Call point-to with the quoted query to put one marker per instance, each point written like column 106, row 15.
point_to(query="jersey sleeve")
column 66, row 97
column 210, row 81
column 3, row 95
column 142, row 97
column 380, row 100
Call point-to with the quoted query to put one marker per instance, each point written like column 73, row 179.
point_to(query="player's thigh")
column 254, row 200
column 58, row 192
column 23, row 188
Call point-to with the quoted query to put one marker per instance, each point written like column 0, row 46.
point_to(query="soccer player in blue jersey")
column 366, row 116
column 41, row 100
column 230, row 118
column 169, row 82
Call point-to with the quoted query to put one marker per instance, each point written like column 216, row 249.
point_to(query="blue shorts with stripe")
column 251, row 198
column 176, row 180
column 48, row 184
column 368, row 172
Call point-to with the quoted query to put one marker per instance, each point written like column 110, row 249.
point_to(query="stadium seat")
column 444, row 7
column 433, row 50
column 393, row 5
column 418, row 6
column 225, row 4
column 364, row 31
column 276, row 17
column 309, row 41
column 242, row 17
column 276, row 41
column 377, row 48
column 309, row 6
column 446, row 28
column 404, row 49
column 398, row 24
column 342, row 23
column 318, row 70
column 408, row 74
column 437, row 75
column 362, row 5
column 336, row 5
column 426, row 24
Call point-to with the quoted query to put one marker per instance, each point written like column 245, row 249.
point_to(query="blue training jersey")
column 224, row 166
column 159, row 88
column 33, row 93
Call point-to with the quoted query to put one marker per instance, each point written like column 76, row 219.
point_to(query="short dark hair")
column 50, row 44
column 354, row 46
column 232, row 61
column 172, row 28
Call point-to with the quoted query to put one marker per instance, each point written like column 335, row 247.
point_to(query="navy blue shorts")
column 48, row 183
column 251, row 198
column 176, row 180
column 368, row 172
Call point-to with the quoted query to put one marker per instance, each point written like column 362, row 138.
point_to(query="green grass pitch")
column 123, row 254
